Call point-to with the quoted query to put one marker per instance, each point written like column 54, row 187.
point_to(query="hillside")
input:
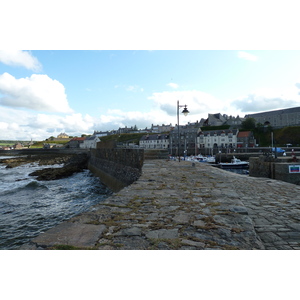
column 124, row 138
column 283, row 136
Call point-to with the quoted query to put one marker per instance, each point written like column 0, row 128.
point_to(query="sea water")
column 29, row 207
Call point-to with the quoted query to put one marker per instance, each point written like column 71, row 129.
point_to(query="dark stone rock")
column 131, row 242
column 239, row 209
column 67, row 233
column 75, row 164
column 134, row 231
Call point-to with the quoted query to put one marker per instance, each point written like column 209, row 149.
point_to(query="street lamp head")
column 185, row 111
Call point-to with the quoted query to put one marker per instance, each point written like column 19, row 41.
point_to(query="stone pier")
column 185, row 205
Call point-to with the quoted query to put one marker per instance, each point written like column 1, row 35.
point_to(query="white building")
column 100, row 133
column 155, row 141
column 90, row 142
column 218, row 139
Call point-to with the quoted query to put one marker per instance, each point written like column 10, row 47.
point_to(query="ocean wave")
column 21, row 185
column 33, row 185
column 28, row 206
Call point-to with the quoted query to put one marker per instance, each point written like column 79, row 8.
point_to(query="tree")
column 248, row 124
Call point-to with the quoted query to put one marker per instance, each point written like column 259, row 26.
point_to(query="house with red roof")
column 245, row 139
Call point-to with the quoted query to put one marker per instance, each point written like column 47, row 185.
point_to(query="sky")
column 46, row 92
column 101, row 67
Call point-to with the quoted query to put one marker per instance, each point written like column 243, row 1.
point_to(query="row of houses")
column 211, row 120
column 190, row 138
column 16, row 146
column 153, row 129
column 194, row 140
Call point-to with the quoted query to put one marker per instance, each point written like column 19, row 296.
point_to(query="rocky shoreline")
column 72, row 163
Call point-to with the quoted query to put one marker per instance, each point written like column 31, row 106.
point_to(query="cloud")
column 134, row 88
column 173, row 85
column 38, row 92
column 163, row 111
column 129, row 88
column 20, row 58
column 247, row 56
column 297, row 85
column 199, row 103
column 267, row 99
column 78, row 123
column 24, row 125
column 116, row 118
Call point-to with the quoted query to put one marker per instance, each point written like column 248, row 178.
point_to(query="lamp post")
column 185, row 112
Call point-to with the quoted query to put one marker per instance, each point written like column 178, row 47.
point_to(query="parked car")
column 278, row 150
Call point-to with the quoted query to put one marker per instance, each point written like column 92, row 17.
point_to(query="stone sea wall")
column 274, row 168
column 117, row 168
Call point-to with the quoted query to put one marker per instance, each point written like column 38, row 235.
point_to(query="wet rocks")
column 74, row 164
column 41, row 159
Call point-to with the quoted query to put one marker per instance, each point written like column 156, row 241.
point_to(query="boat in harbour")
column 207, row 159
column 235, row 164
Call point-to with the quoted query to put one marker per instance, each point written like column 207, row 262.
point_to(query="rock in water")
column 76, row 164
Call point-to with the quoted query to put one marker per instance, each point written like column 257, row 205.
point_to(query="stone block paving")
column 186, row 206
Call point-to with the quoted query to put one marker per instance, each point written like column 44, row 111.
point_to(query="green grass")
column 282, row 136
column 8, row 143
column 124, row 138
column 40, row 144
column 37, row 145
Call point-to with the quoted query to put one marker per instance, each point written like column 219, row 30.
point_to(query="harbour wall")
column 41, row 151
column 116, row 168
column 283, row 169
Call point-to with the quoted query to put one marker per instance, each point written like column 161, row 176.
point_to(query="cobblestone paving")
column 181, row 205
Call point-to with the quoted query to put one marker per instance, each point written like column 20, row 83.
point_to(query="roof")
column 78, row 139
column 218, row 132
column 244, row 134
column 154, row 137
column 92, row 137
column 275, row 112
